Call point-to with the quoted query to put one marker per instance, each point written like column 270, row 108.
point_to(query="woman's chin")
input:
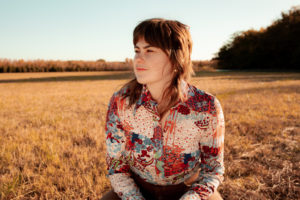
column 141, row 80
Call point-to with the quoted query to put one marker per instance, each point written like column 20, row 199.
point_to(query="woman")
column 164, row 136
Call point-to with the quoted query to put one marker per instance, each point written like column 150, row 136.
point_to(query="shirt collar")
column 146, row 100
column 149, row 103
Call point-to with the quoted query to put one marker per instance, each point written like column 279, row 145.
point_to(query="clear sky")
column 95, row 29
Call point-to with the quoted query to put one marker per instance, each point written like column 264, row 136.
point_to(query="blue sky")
column 94, row 29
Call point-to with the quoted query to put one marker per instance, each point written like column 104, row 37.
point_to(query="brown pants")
column 155, row 192
column 111, row 195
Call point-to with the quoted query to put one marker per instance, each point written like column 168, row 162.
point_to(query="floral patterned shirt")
column 192, row 139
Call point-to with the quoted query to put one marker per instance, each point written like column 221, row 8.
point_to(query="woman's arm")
column 212, row 166
column 118, row 168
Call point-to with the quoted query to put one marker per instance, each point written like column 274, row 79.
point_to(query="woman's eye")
column 147, row 51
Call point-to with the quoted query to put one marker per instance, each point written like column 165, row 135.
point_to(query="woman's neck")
column 157, row 90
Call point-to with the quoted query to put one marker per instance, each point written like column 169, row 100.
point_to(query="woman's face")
column 151, row 65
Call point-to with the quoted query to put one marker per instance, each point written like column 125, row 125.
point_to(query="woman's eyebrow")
column 145, row 47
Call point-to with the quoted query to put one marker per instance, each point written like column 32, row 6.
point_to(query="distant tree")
column 101, row 60
column 128, row 60
column 275, row 47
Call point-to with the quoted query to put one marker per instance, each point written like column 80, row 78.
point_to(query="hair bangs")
column 155, row 32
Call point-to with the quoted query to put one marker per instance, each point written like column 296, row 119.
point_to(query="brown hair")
column 174, row 39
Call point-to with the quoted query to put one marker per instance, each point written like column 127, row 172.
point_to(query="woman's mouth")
column 140, row 69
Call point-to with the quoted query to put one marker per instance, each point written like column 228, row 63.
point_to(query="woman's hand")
column 192, row 179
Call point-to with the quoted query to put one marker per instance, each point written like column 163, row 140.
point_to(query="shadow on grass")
column 121, row 76
column 277, row 89
column 251, row 76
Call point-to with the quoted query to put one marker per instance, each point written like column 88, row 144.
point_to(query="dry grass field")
column 52, row 143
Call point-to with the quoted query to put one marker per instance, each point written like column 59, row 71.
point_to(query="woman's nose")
column 139, row 58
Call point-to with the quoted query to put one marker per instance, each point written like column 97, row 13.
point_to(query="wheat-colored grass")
column 52, row 143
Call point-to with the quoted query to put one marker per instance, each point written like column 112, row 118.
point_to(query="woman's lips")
column 140, row 69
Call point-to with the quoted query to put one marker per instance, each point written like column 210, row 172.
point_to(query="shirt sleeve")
column 117, row 166
column 212, row 166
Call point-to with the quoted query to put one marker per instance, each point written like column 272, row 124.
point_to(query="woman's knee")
column 110, row 195
column 215, row 196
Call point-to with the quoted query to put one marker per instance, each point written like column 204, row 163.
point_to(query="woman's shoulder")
column 199, row 94
column 119, row 95
column 200, row 99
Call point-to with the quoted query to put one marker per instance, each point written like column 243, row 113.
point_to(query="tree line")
column 21, row 65
column 276, row 47
column 13, row 66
